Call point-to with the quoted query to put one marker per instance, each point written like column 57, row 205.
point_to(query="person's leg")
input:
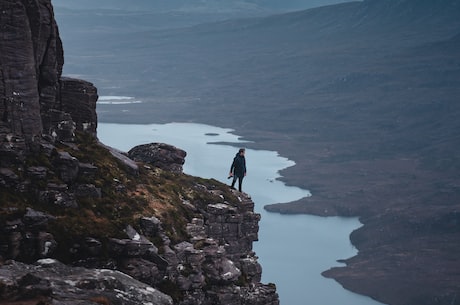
column 234, row 181
column 240, row 183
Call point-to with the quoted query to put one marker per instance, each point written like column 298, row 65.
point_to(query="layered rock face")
column 66, row 196
column 34, row 98
column 24, row 45
column 215, row 265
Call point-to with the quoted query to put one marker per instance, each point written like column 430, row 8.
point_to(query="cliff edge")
column 81, row 222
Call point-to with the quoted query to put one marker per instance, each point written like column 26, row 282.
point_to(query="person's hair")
column 241, row 150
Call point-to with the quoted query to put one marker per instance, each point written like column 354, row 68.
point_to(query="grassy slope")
column 125, row 199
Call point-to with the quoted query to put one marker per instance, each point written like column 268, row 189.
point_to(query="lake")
column 292, row 249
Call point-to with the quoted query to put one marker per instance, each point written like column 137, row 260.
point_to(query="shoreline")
column 400, row 233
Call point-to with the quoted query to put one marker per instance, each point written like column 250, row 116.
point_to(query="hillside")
column 83, row 223
column 144, row 15
column 191, row 6
column 362, row 95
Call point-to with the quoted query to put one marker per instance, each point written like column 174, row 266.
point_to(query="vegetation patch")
column 125, row 197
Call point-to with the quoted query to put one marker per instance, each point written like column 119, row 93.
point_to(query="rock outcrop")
column 51, row 282
column 215, row 264
column 82, row 223
column 79, row 97
column 35, row 100
column 161, row 155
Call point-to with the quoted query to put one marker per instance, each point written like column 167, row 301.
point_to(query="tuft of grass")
column 242, row 281
column 101, row 300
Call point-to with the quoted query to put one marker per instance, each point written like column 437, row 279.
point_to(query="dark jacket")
column 238, row 167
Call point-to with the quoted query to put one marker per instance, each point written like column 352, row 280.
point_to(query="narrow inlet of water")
column 292, row 249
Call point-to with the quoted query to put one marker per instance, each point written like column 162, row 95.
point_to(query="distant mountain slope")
column 142, row 15
column 362, row 95
column 372, row 26
column 195, row 5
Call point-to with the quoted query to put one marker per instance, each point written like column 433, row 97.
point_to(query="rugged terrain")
column 363, row 96
column 83, row 223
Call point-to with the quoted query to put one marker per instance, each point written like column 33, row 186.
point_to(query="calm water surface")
column 293, row 249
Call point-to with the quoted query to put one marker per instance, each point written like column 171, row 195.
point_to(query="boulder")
column 67, row 166
column 37, row 172
column 8, row 178
column 35, row 220
column 151, row 226
column 56, row 283
column 87, row 191
column 142, row 270
column 87, row 170
column 164, row 156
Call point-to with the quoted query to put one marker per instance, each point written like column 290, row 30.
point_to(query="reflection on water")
column 117, row 100
column 293, row 249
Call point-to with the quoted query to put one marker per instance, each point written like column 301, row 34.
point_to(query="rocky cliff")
column 82, row 223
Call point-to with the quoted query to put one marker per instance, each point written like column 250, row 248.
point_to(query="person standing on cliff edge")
column 238, row 169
